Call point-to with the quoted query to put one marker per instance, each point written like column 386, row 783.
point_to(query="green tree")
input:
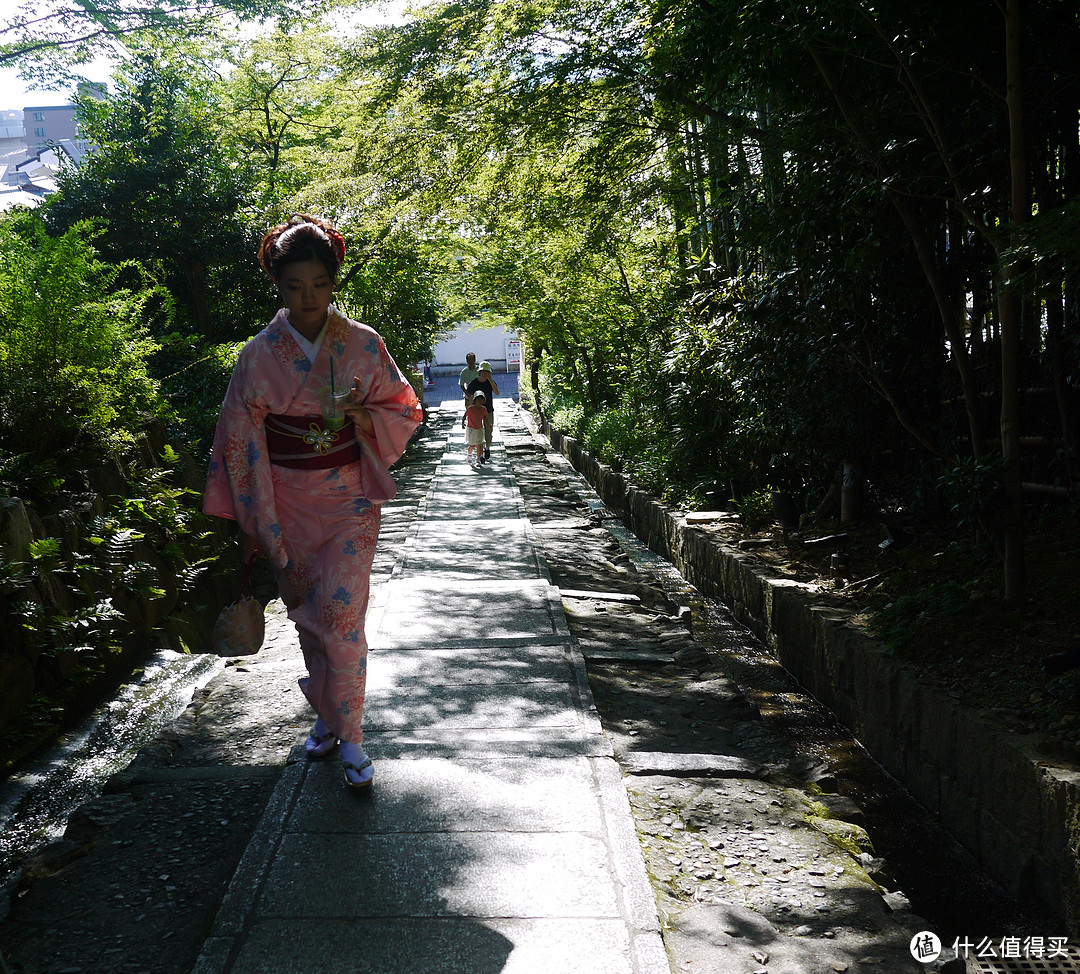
column 283, row 98
column 832, row 178
column 51, row 41
column 167, row 183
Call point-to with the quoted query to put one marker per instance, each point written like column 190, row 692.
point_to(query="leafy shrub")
column 569, row 419
column 613, row 435
column 562, row 401
column 73, row 378
column 394, row 292
column 756, row 509
column 897, row 622
column 973, row 487
column 193, row 376
column 150, row 549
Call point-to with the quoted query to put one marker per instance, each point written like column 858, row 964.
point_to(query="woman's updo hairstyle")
column 303, row 238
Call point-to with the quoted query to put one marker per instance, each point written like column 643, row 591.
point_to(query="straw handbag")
column 239, row 627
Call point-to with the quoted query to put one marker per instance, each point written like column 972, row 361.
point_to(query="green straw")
column 331, row 378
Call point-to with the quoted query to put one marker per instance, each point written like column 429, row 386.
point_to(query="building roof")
column 28, row 182
column 12, row 196
column 74, row 149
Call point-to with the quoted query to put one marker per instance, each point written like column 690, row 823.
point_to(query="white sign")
column 513, row 355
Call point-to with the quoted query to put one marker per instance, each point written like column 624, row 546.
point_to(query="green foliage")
column 169, row 186
column 50, row 44
column 569, row 419
column 395, row 292
column 562, row 401
column 150, row 548
column 616, row 434
column 755, row 509
column 763, row 214
column 585, row 231
column 283, row 101
column 193, row 376
column 44, row 553
column 898, row 622
column 973, row 488
column 73, row 346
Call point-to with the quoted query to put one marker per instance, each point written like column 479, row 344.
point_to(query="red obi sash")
column 304, row 442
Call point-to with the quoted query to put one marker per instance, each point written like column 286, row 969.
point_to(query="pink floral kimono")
column 314, row 504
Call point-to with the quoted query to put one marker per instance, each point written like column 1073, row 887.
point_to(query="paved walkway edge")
column 986, row 786
column 239, row 898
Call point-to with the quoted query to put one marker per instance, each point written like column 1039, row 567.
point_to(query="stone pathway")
column 511, row 830
column 499, row 837
column 755, row 866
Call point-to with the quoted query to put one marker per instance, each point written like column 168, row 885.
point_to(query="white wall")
column 488, row 343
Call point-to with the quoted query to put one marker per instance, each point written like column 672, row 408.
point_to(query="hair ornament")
column 338, row 243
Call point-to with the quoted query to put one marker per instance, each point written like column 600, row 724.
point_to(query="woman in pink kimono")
column 315, row 413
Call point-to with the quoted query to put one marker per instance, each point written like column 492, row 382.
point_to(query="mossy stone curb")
column 1013, row 808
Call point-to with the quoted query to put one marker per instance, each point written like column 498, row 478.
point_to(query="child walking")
column 473, row 424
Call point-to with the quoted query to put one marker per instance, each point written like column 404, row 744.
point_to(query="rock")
column 97, row 815
column 824, row 779
column 786, row 510
column 17, row 685
column 685, row 765
column 51, row 859
column 872, row 864
column 897, row 902
column 692, row 656
column 15, row 530
column 846, row 835
column 708, row 517
column 841, row 807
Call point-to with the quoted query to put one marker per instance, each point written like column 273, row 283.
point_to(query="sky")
column 16, row 94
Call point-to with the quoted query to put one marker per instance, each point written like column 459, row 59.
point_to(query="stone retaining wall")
column 1018, row 814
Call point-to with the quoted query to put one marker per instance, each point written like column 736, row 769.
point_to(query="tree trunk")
column 1055, row 351
column 680, row 198
column 772, row 160
column 1009, row 313
column 700, row 191
column 939, row 285
column 722, row 238
column 195, row 272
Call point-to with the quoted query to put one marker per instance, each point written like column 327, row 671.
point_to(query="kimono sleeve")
column 395, row 410
column 239, row 484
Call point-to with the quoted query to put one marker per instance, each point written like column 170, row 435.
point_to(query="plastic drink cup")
column 333, row 405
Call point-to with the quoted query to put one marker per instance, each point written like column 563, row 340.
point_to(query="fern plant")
column 74, row 383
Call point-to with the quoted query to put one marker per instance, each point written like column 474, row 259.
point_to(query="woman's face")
column 307, row 289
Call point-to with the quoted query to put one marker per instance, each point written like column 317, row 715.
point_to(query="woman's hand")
column 362, row 418
column 250, row 549
column 355, row 410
